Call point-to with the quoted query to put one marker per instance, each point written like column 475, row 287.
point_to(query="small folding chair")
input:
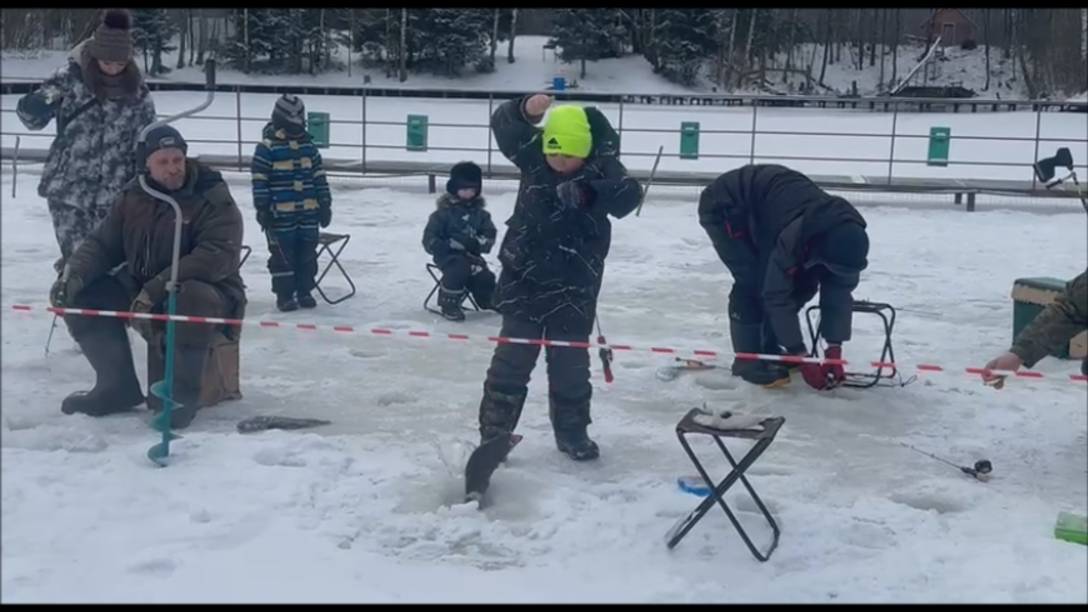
column 326, row 241
column 434, row 271
column 247, row 250
column 863, row 380
column 763, row 433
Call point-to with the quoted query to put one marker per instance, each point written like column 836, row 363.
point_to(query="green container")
column 689, row 140
column 417, row 133
column 317, row 124
column 1071, row 528
column 1029, row 297
column 939, row 140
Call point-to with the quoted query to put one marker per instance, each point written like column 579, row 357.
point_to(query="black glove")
column 325, row 215
column 66, row 288
column 471, row 245
column 575, row 194
column 264, row 218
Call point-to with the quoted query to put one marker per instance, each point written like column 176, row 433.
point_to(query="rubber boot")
column 450, row 303
column 306, row 300
column 748, row 338
column 286, row 303
column 116, row 388
column 499, row 411
column 569, row 422
column 188, row 374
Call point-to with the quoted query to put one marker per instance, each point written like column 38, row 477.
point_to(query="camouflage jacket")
column 1062, row 319
column 94, row 153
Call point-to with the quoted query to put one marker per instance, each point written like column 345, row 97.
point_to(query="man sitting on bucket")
column 139, row 232
column 784, row 239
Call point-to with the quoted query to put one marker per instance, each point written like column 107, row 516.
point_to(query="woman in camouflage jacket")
column 100, row 104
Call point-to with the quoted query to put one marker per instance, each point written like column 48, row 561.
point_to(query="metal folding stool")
column 248, row 251
column 887, row 355
column 326, row 241
column 433, row 270
column 688, row 426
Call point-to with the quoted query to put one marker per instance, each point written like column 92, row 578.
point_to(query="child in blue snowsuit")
column 457, row 233
column 292, row 198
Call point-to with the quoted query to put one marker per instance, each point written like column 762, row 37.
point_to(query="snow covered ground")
column 365, row 509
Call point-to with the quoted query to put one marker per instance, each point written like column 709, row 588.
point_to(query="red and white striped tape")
column 381, row 331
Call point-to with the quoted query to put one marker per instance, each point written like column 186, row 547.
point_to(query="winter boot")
column 188, row 374
column 569, row 422
column 499, row 411
column 748, row 338
column 116, row 387
column 305, row 300
column 450, row 303
column 286, row 303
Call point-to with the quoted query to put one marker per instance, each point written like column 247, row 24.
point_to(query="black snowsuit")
column 763, row 220
column 553, row 264
column 468, row 225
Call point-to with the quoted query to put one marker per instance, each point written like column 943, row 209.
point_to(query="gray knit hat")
column 289, row 112
column 112, row 40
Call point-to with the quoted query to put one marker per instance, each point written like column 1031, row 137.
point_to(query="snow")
column 629, row 74
column 365, row 509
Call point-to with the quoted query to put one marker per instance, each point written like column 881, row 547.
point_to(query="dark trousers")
column 106, row 346
column 292, row 260
column 569, row 389
column 460, row 273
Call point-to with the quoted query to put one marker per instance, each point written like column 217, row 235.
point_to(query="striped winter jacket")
column 288, row 179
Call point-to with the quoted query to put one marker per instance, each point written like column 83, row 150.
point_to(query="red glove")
column 822, row 376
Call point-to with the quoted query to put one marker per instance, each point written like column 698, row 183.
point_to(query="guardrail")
column 487, row 158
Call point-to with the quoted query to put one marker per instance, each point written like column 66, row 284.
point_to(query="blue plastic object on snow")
column 693, row 485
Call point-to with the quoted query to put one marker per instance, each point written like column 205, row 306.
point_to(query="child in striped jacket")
column 292, row 199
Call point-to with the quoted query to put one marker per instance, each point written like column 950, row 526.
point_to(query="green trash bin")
column 317, row 124
column 689, row 140
column 417, row 133
column 939, row 140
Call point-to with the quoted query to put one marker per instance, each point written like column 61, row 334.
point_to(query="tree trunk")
column 883, row 45
column 1084, row 34
column 873, row 37
column 494, row 36
column 748, row 44
column 895, row 50
column 986, row 35
column 181, row 44
column 513, row 32
column 583, row 76
column 1008, row 34
column 403, row 45
column 827, row 46
column 790, row 44
column 861, row 39
column 729, row 51
column 202, row 38
column 249, row 54
column 763, row 54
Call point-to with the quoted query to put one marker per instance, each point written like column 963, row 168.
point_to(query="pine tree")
column 589, row 34
column 684, row 40
column 444, row 41
column 152, row 30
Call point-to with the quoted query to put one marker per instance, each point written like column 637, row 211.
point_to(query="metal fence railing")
column 753, row 134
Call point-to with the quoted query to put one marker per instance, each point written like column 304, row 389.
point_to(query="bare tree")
column 181, row 38
column 895, row 47
column 827, row 45
column 494, row 34
column 403, row 45
column 513, row 32
column 986, row 35
column 790, row 45
column 873, row 39
column 748, row 45
column 729, row 50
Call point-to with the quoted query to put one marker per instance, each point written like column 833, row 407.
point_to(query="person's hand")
column 325, row 216
column 1004, row 361
column 537, row 105
column 264, row 218
column 575, row 194
column 144, row 304
column 66, row 287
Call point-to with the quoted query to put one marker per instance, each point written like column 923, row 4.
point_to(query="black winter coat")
column 777, row 213
column 553, row 256
column 466, row 222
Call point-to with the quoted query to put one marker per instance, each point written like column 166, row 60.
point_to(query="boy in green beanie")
column 553, row 260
